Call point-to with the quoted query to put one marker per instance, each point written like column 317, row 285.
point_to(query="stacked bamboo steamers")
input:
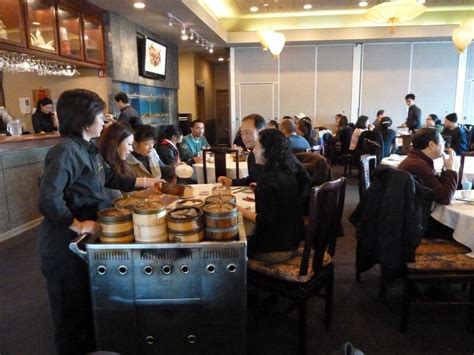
column 146, row 220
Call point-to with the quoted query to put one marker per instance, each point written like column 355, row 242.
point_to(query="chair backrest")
column 326, row 207
column 461, row 166
column 220, row 161
column 372, row 148
column 367, row 165
column 316, row 149
column 345, row 136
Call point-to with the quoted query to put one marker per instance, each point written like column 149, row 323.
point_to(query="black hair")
column 121, row 96
column 277, row 151
column 77, row 109
column 144, row 133
column 306, row 128
column 43, row 102
column 435, row 119
column 343, row 121
column 196, row 121
column 410, row 96
column 172, row 130
column 258, row 121
column 135, row 122
column 423, row 137
column 362, row 122
column 273, row 123
column 380, row 112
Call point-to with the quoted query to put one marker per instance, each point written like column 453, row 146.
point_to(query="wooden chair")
column 311, row 271
column 367, row 165
column 438, row 262
column 461, row 166
column 220, row 161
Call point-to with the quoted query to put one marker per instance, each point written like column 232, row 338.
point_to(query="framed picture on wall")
column 151, row 58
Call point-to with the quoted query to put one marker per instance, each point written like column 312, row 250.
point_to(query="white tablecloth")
column 201, row 191
column 394, row 160
column 211, row 170
column 459, row 215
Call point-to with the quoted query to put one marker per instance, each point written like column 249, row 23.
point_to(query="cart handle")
column 77, row 245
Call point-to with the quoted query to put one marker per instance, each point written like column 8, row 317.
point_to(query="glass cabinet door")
column 70, row 41
column 93, row 40
column 41, row 25
column 11, row 22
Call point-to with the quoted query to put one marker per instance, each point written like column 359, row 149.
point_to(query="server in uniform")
column 71, row 194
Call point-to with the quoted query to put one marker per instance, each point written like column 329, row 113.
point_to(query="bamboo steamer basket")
column 149, row 222
column 185, row 225
column 221, row 215
column 221, row 190
column 222, row 234
column 116, row 225
column 192, row 202
column 186, row 237
column 222, row 221
column 220, row 198
column 127, row 202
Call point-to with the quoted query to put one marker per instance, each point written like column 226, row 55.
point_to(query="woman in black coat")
column 279, row 214
column 44, row 119
column 388, row 136
column 71, row 194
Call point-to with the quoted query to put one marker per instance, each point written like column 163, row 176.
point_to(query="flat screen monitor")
column 152, row 58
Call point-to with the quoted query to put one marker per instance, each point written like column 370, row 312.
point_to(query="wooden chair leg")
column 329, row 301
column 302, row 322
column 406, row 301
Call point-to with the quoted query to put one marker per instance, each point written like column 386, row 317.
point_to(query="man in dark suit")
column 413, row 120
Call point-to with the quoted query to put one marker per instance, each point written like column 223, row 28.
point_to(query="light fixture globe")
column 394, row 12
column 264, row 34
column 276, row 43
column 462, row 37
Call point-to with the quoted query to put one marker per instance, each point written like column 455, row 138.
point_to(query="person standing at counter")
column 71, row 194
column 126, row 110
column 190, row 149
column 44, row 119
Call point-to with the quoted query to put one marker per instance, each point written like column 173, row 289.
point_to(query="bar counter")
column 21, row 164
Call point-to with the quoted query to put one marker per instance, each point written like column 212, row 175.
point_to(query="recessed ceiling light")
column 254, row 9
column 220, row 59
column 307, row 6
column 363, row 3
column 139, row 5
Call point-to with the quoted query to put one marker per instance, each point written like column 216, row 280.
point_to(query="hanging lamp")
column 394, row 12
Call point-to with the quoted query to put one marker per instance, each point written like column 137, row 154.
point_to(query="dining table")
column 458, row 215
column 198, row 170
column 394, row 160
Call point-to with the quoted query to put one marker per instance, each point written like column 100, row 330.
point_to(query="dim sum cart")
column 172, row 298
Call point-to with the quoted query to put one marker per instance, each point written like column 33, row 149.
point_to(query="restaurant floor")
column 26, row 327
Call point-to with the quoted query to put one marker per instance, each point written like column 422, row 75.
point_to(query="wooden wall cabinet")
column 65, row 30
column 12, row 25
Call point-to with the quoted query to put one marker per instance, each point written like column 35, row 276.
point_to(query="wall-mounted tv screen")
column 151, row 58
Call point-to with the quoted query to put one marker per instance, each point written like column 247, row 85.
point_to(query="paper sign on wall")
column 25, row 105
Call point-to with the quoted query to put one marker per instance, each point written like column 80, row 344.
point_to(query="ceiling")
column 229, row 23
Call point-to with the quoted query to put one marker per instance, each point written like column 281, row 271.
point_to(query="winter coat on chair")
column 390, row 221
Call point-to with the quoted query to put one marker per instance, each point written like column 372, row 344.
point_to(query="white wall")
column 319, row 80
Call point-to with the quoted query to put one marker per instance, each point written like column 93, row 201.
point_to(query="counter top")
column 12, row 143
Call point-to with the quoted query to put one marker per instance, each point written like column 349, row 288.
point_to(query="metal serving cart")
column 173, row 298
